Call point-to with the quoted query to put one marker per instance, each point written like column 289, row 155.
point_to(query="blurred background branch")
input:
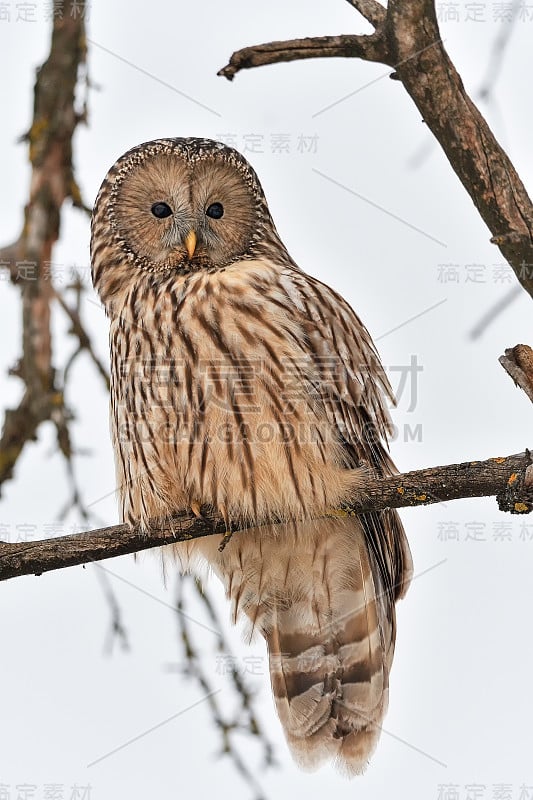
column 29, row 259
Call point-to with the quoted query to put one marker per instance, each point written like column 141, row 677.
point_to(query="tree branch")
column 370, row 47
column 372, row 11
column 407, row 36
column 28, row 259
column 510, row 479
column 78, row 330
column 518, row 363
column 482, row 166
column 243, row 718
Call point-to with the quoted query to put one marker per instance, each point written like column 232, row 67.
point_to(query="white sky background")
column 461, row 682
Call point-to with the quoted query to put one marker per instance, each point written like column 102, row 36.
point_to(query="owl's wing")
column 353, row 387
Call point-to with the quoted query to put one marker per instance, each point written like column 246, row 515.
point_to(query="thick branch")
column 510, row 479
column 482, row 166
column 29, row 258
column 407, row 36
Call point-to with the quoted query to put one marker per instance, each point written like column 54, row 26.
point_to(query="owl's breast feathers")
column 226, row 392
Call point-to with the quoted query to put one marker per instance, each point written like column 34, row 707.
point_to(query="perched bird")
column 241, row 383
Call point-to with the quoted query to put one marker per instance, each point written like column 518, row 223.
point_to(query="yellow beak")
column 190, row 243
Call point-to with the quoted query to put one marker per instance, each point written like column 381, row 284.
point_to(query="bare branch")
column 78, row 330
column 20, row 427
column 499, row 46
column 243, row 719
column 408, row 37
column 506, row 478
column 9, row 255
column 372, row 11
column 117, row 629
column 484, row 169
column 501, row 305
column 52, row 181
column 518, row 363
column 368, row 47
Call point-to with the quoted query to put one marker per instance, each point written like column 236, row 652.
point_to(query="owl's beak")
column 190, row 243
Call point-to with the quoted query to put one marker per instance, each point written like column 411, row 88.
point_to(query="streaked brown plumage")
column 240, row 382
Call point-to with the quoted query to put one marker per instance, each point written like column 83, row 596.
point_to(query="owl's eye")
column 161, row 210
column 215, row 210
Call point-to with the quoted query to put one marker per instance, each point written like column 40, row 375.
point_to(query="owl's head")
column 179, row 205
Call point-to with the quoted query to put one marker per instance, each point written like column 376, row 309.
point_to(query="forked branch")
column 407, row 37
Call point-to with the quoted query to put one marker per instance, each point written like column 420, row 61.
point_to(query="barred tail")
column 315, row 592
column 330, row 654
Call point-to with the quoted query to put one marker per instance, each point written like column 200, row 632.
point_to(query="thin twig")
column 503, row 302
column 226, row 725
column 78, row 329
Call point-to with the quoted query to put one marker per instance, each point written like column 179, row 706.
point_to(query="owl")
column 241, row 383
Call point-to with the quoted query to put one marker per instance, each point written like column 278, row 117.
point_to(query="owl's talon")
column 196, row 509
column 223, row 511
column 225, row 539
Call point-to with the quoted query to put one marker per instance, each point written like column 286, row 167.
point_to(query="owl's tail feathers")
column 322, row 594
column 331, row 648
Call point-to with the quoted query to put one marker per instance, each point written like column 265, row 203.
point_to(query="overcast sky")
column 365, row 201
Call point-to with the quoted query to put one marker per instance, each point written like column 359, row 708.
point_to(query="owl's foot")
column 223, row 511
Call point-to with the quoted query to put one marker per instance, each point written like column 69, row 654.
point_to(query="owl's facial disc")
column 172, row 212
